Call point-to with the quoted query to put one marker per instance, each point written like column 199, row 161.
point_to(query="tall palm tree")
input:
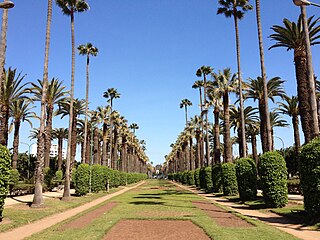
column 203, row 72
column 87, row 50
column 20, row 111
column 265, row 124
column 38, row 199
column 237, row 9
column 185, row 103
column 60, row 134
column 199, row 85
column 276, row 120
column 291, row 108
column 292, row 37
column 252, row 131
column 69, row 7
column 255, row 90
column 12, row 90
column 225, row 82
column 134, row 127
column 55, row 93
column 111, row 94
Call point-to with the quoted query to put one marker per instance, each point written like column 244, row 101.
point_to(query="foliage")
column 97, row 182
column 247, row 178
column 229, row 179
column 48, row 176
column 310, row 177
column 202, row 175
column 190, row 178
column 59, row 175
column 208, row 179
column 13, row 178
column 81, row 179
column 217, row 178
column 197, row 177
column 292, row 160
column 4, row 176
column 294, row 186
column 273, row 176
column 24, row 165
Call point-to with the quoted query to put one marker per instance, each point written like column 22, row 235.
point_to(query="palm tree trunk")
column 191, row 156
column 295, row 124
column 104, row 144
column 217, row 153
column 15, row 144
column 265, row 120
column 73, row 141
column 242, row 123
column 227, row 140
column 3, row 49
column 303, row 94
column 66, row 189
column 96, row 146
column 38, row 198
column 87, row 104
column 48, row 130
column 4, row 125
column 115, row 149
column 60, row 146
column 186, row 113
column 254, row 149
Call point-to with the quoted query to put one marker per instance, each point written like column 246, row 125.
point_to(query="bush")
column 123, row 179
column 81, row 178
column 184, row 177
column 13, row 178
column 4, row 176
column 229, row 179
column 273, row 177
column 97, row 181
column 208, row 179
column 190, row 178
column 59, row 175
column 48, row 176
column 217, row 178
column 202, row 176
column 247, row 178
column 310, row 177
column 197, row 177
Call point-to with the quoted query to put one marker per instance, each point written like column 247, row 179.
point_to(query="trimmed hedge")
column 247, row 178
column 229, row 179
column 273, row 177
column 5, row 160
column 190, row 178
column 310, row 177
column 217, row 178
column 208, row 179
column 100, row 177
column 202, row 176
column 197, row 177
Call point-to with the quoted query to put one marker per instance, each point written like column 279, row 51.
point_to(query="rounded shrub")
column 273, row 178
column 208, row 179
column 82, row 177
column 229, row 179
column 5, row 160
column 190, row 178
column 123, row 179
column 202, row 176
column 97, row 181
column 59, row 175
column 197, row 177
column 217, row 178
column 310, row 177
column 184, row 178
column 247, row 178
column 14, row 177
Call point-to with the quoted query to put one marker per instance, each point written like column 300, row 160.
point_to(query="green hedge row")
column 5, row 160
column 247, row 178
column 101, row 176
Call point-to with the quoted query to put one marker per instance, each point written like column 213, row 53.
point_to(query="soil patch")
column 86, row 219
column 5, row 221
column 221, row 216
column 165, row 214
column 155, row 230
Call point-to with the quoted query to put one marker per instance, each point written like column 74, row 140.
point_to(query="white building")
column 53, row 151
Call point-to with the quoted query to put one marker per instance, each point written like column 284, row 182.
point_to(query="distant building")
column 53, row 151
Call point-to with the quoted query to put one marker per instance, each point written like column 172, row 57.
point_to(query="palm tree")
column 69, row 7
column 255, row 90
column 111, row 94
column 252, row 132
column 38, row 199
column 291, row 108
column 55, row 93
column 134, row 127
column 225, row 83
column 292, row 37
column 265, row 111
column 60, row 134
column 237, row 9
column 20, row 111
column 276, row 121
column 204, row 71
column 87, row 50
column 12, row 90
column 184, row 104
column 200, row 84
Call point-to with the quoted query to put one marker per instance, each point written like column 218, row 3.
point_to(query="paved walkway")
column 37, row 226
column 269, row 218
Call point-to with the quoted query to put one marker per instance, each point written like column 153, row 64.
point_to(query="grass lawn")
column 160, row 200
column 21, row 214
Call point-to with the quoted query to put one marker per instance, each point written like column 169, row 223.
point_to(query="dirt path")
column 35, row 227
column 271, row 219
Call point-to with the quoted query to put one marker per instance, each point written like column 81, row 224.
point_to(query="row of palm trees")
column 188, row 151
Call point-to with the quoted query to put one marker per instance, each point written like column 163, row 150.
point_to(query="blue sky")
column 149, row 50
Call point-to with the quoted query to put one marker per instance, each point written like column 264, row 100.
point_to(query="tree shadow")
column 147, row 203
